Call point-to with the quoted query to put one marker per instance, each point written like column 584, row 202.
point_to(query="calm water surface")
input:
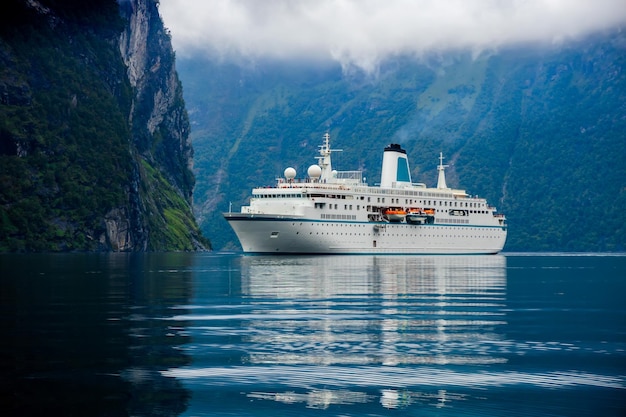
column 232, row 335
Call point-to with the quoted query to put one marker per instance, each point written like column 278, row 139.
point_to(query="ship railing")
column 314, row 184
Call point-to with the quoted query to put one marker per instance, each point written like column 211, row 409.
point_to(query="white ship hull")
column 270, row 235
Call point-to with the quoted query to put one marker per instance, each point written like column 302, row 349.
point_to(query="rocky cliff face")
column 158, row 119
column 94, row 135
column 158, row 107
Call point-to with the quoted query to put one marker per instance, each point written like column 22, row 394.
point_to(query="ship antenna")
column 441, row 181
column 324, row 158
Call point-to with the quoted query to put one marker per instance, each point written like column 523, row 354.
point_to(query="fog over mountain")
column 360, row 33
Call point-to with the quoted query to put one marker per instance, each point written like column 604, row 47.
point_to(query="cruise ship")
column 337, row 212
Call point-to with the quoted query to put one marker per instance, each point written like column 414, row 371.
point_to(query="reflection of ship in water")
column 317, row 398
column 314, row 277
column 377, row 310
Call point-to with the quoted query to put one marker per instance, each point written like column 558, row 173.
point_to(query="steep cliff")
column 160, row 127
column 94, row 135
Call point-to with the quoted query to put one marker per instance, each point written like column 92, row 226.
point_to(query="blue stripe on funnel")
column 402, row 173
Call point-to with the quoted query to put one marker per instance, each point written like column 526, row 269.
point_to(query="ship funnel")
column 395, row 171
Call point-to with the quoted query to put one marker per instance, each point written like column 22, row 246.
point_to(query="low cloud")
column 362, row 32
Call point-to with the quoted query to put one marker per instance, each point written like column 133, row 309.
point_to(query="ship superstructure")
column 336, row 212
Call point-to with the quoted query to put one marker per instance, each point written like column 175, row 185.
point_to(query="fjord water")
column 226, row 334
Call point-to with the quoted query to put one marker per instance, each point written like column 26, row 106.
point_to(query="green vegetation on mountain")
column 537, row 131
column 75, row 174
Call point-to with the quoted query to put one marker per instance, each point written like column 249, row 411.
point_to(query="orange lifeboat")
column 395, row 214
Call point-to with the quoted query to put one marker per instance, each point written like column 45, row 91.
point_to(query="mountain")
column 538, row 131
column 94, row 135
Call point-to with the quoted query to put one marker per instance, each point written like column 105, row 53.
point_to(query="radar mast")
column 324, row 159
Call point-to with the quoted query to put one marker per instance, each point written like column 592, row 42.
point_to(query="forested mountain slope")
column 94, row 146
column 539, row 131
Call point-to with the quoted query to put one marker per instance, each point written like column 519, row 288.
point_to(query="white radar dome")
column 314, row 171
column 290, row 173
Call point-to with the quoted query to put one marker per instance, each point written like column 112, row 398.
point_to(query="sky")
column 361, row 33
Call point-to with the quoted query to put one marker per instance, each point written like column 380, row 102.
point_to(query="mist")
column 361, row 33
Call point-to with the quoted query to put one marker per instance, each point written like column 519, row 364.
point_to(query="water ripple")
column 369, row 376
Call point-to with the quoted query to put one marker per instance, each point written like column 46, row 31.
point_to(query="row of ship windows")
column 403, row 235
column 461, row 221
column 434, row 203
column 391, row 226
column 381, row 200
column 358, row 207
column 338, row 216
column 353, row 217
